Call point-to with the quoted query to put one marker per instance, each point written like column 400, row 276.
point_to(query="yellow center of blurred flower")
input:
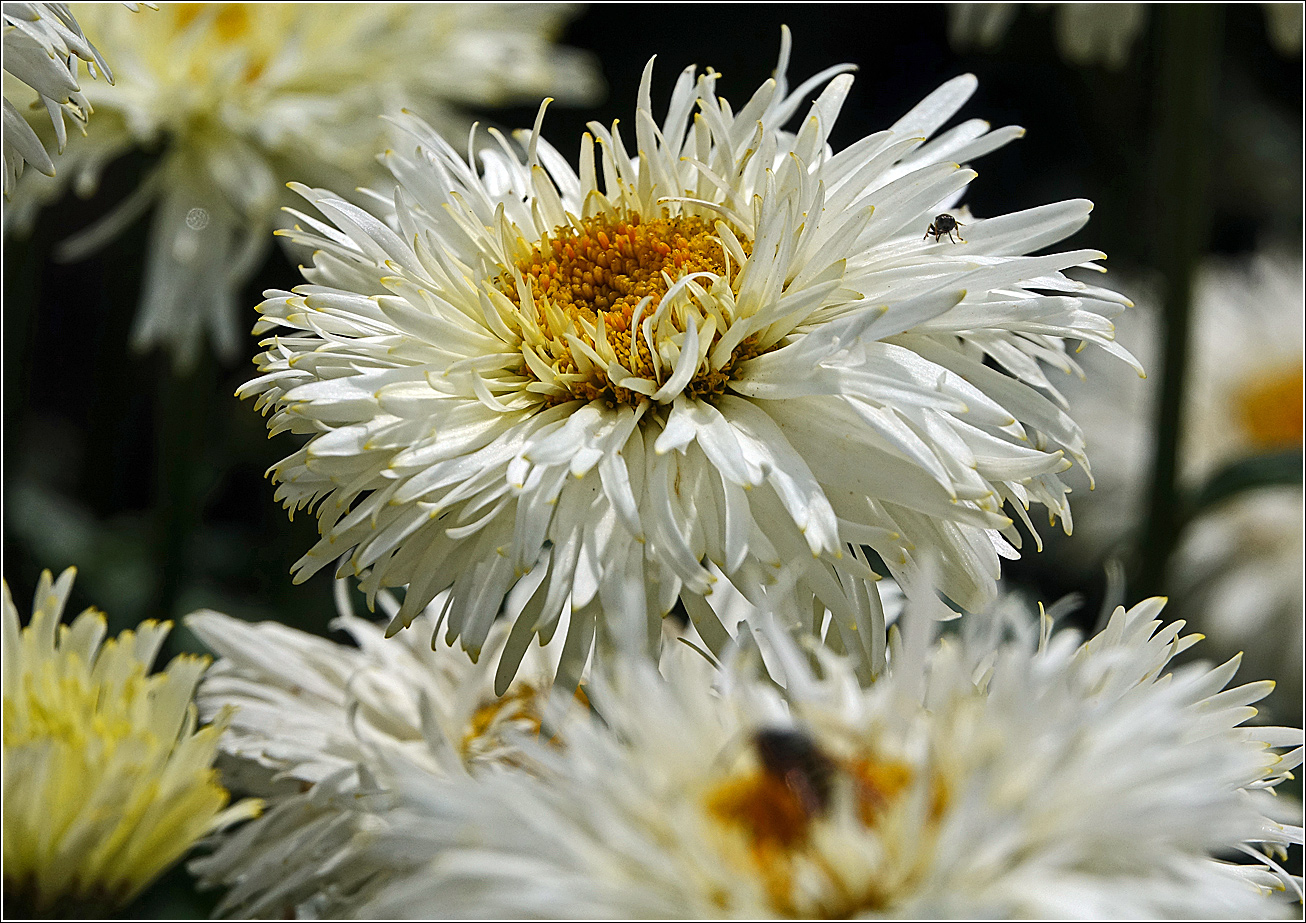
column 777, row 810
column 231, row 21
column 518, row 710
column 596, row 286
column 233, row 24
column 1270, row 407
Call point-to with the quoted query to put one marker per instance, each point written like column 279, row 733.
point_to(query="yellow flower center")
column 1270, row 408
column 231, row 22
column 518, row 710
column 777, row 813
column 595, row 286
column 236, row 25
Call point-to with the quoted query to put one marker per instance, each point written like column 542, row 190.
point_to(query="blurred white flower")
column 1238, row 572
column 1284, row 22
column 315, row 726
column 1237, row 575
column 107, row 780
column 42, row 45
column 737, row 355
column 241, row 98
column 1087, row 33
column 1096, row 33
column 1004, row 772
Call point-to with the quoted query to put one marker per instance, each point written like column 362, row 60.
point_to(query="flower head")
column 243, row 97
column 735, row 355
column 107, row 780
column 42, row 45
column 317, row 726
column 1003, row 772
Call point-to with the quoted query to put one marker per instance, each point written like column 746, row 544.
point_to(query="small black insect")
column 944, row 224
column 793, row 757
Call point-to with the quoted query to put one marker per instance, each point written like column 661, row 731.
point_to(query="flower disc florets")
column 591, row 286
column 730, row 356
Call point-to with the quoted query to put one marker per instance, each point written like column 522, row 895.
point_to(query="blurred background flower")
column 239, row 99
column 1094, row 33
column 1237, row 569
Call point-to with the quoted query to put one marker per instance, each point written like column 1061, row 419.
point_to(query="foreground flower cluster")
column 1007, row 771
column 730, row 357
column 644, row 437
column 315, row 722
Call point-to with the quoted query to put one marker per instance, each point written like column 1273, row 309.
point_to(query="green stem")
column 182, row 418
column 1189, row 38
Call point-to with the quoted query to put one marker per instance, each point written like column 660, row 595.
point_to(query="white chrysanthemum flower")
column 981, row 777
column 315, row 724
column 736, row 353
column 242, row 98
column 42, row 44
column 107, row 780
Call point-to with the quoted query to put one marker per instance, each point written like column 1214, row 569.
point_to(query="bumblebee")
column 794, row 758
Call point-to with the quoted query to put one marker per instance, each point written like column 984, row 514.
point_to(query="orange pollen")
column 769, row 811
column 591, row 279
column 775, row 814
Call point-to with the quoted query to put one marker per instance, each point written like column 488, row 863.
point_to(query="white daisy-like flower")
column 737, row 353
column 315, row 724
column 1005, row 772
column 107, row 778
column 1086, row 33
column 42, row 45
column 241, row 98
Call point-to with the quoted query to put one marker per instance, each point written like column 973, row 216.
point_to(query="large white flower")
column 313, row 726
column 42, row 45
column 736, row 353
column 107, row 777
column 1005, row 772
column 242, row 98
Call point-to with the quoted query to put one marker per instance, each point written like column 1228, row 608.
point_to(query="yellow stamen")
column 591, row 284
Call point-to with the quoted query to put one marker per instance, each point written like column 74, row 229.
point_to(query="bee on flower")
column 1003, row 772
